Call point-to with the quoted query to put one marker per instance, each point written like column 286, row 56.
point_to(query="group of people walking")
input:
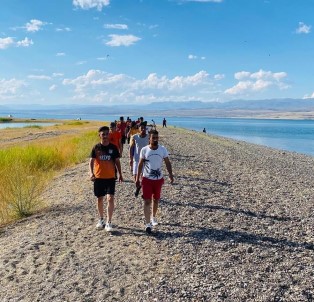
column 146, row 157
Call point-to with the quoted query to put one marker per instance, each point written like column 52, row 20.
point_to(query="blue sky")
column 133, row 51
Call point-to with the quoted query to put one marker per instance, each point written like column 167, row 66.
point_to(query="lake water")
column 290, row 135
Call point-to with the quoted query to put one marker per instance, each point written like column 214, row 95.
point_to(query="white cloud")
column 68, row 29
column 34, row 25
column 87, row 4
column 219, row 77
column 97, row 86
column 309, row 96
column 52, row 87
column 57, row 74
column 6, row 42
column 60, row 54
column 192, row 57
column 39, row 77
column 80, row 62
column 257, row 81
column 116, row 26
column 9, row 41
column 103, row 58
column 9, row 88
column 24, row 43
column 303, row 28
column 122, row 40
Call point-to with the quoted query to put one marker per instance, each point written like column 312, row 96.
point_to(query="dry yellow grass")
column 27, row 165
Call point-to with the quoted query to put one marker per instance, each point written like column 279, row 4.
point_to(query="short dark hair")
column 153, row 132
column 112, row 124
column 103, row 128
column 143, row 124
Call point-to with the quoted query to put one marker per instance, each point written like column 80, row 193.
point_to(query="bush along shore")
column 237, row 225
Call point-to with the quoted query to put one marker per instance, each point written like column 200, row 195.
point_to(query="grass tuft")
column 26, row 171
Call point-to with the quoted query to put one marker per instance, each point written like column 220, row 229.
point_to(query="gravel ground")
column 237, row 225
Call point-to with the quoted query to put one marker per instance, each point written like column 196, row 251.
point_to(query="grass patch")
column 34, row 126
column 76, row 123
column 25, row 171
column 5, row 120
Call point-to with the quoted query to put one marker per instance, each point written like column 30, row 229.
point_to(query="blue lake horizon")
column 290, row 135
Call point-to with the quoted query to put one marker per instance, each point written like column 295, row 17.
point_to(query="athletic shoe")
column 154, row 221
column 108, row 227
column 100, row 224
column 137, row 191
column 148, row 228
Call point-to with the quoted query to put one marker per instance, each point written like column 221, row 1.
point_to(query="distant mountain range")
column 176, row 108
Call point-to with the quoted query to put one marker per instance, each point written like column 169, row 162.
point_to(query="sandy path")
column 236, row 226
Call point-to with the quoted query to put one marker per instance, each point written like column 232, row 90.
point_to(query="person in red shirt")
column 115, row 137
column 121, row 127
column 104, row 161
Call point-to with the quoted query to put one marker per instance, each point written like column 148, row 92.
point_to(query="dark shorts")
column 102, row 187
column 151, row 188
column 123, row 139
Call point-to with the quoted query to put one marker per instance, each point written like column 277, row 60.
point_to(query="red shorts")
column 151, row 188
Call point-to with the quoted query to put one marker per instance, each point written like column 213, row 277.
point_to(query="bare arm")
column 131, row 151
column 91, row 169
column 169, row 168
column 118, row 165
column 139, row 172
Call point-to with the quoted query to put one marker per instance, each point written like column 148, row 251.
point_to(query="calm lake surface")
column 290, row 135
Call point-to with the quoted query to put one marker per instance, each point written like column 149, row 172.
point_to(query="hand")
column 92, row 177
column 120, row 178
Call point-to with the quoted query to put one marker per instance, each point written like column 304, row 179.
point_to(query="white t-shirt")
column 139, row 143
column 153, row 161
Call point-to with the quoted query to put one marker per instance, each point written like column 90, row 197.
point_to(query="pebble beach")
column 236, row 225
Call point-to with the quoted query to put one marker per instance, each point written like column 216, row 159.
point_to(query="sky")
column 92, row 52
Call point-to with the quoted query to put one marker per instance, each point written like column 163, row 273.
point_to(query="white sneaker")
column 148, row 228
column 108, row 227
column 154, row 221
column 100, row 224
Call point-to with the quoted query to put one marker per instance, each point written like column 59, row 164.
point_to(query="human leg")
column 157, row 184
column 110, row 207
column 147, row 213
column 100, row 206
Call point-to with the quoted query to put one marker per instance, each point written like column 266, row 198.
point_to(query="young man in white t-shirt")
column 150, row 165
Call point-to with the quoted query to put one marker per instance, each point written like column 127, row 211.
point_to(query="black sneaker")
column 137, row 191
column 148, row 228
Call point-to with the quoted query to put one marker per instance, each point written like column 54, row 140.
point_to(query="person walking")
column 121, row 127
column 164, row 123
column 104, row 160
column 138, row 141
column 115, row 137
column 150, row 164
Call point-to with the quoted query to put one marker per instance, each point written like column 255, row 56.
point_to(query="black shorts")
column 123, row 139
column 102, row 187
